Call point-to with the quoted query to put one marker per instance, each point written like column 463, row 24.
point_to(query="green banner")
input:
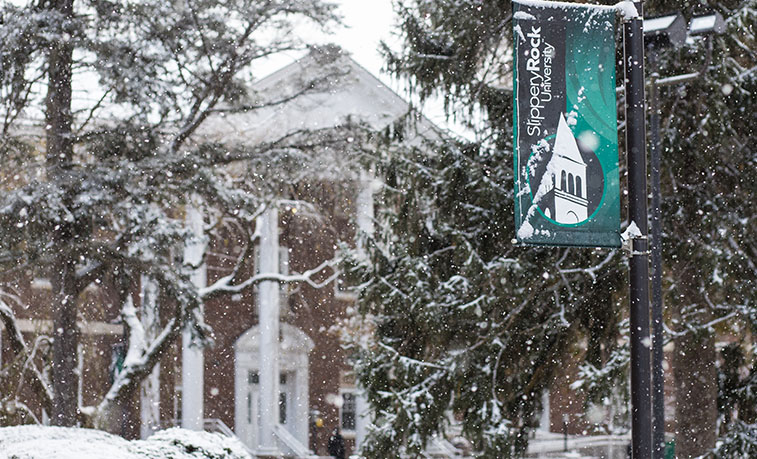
column 567, row 190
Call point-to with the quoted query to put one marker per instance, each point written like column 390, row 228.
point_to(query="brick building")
column 276, row 375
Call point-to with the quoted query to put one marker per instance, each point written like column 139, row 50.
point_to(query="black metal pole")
column 658, row 377
column 633, row 46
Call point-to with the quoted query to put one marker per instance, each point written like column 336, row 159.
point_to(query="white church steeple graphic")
column 568, row 180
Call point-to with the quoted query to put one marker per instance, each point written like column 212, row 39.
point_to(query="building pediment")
column 293, row 340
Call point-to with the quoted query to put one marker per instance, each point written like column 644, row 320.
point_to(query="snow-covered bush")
column 39, row 442
column 740, row 442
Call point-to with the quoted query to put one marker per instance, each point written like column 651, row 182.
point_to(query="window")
column 563, row 181
column 283, row 398
column 578, row 187
column 349, row 411
column 249, row 408
column 282, row 408
column 571, row 189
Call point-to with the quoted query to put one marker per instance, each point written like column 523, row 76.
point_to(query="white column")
column 362, row 418
column 300, row 423
column 364, row 205
column 192, row 363
column 149, row 393
column 268, row 316
column 544, row 420
column 365, row 223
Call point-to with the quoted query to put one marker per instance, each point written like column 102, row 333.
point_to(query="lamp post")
column 662, row 32
column 633, row 52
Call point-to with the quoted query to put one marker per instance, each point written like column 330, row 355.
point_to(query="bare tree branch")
column 225, row 284
column 20, row 349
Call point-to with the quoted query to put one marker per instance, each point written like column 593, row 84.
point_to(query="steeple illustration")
column 569, row 179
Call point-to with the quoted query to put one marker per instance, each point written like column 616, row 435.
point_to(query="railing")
column 298, row 449
column 216, row 425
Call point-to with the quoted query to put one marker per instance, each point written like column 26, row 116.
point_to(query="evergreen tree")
column 467, row 325
column 124, row 88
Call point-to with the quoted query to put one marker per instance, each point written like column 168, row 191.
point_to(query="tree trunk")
column 696, row 394
column 59, row 155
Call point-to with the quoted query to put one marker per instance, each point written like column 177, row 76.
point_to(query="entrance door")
column 287, row 400
column 293, row 385
column 252, row 404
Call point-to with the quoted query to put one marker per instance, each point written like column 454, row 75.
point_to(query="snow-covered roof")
column 342, row 91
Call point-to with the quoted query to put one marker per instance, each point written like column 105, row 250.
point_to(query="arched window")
column 579, row 191
column 563, row 186
column 571, row 189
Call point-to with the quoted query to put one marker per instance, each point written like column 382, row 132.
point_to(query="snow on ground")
column 41, row 442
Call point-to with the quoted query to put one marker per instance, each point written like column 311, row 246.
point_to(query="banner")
column 567, row 190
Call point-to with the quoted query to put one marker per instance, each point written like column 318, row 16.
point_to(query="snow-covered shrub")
column 191, row 444
column 42, row 442
column 740, row 442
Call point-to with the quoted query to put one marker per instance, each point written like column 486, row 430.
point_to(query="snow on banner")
column 567, row 190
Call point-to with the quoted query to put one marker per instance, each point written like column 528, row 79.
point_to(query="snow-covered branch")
column 18, row 345
column 136, row 333
column 592, row 270
column 226, row 285
column 20, row 349
column 139, row 362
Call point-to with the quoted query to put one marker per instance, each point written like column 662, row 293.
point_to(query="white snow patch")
column 523, row 16
column 631, row 232
column 572, row 118
column 625, row 8
column 526, row 231
column 519, row 31
column 581, row 94
column 716, row 277
column 42, row 442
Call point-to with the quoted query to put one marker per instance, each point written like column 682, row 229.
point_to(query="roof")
column 341, row 91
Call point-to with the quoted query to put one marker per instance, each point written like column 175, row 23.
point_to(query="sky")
column 369, row 21
column 366, row 24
